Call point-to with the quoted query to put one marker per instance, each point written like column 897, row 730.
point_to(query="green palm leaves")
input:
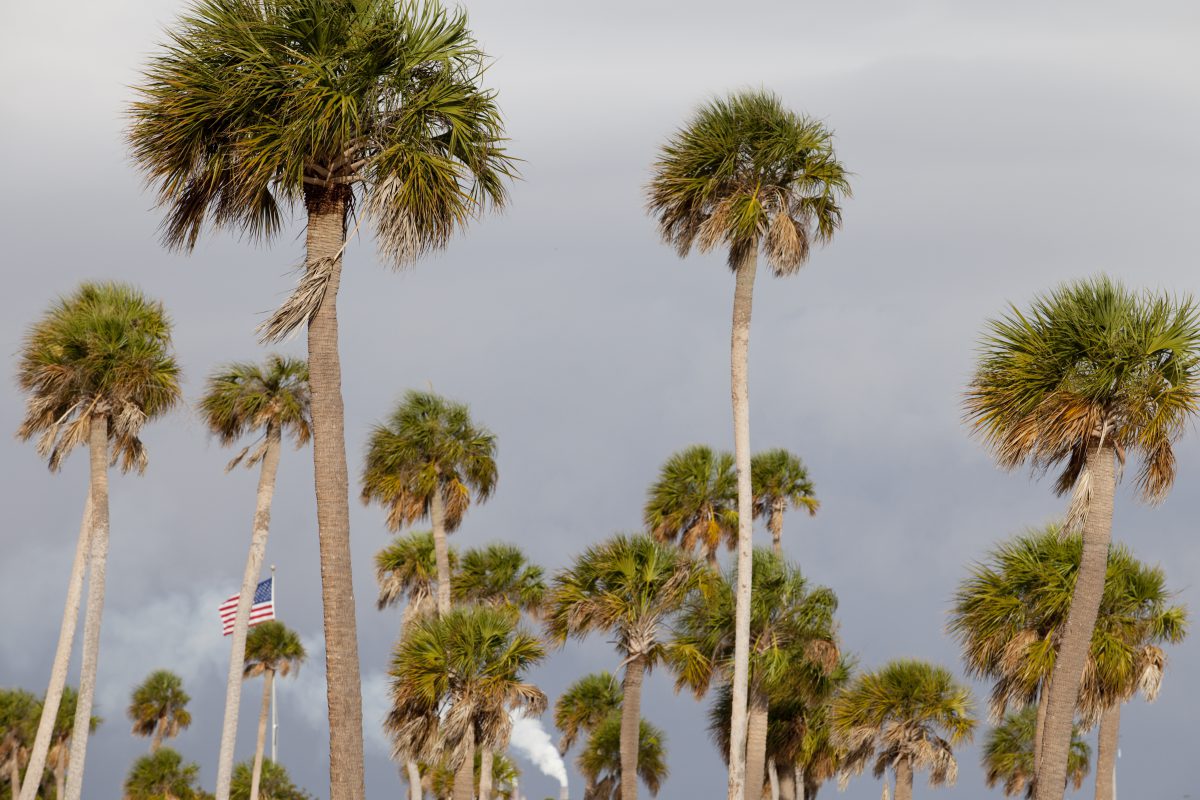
column 499, row 575
column 1008, row 755
column 407, row 568
column 163, row 775
column 158, row 708
column 694, row 502
column 600, row 761
column 273, row 647
column 244, row 397
column 584, row 705
column 779, row 480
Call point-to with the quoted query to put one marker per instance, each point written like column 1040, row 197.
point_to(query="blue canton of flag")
column 262, row 607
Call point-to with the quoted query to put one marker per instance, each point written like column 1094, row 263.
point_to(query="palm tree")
column 271, row 648
column 629, row 586
column 60, row 741
column 694, row 502
column 455, row 679
column 158, row 708
column 791, row 628
column 1090, row 373
column 907, row 716
column 430, row 460
column 505, row 776
column 600, row 761
column 253, row 107
column 1008, row 754
column 778, row 479
column 582, row 708
column 18, row 714
column 271, row 401
column 95, row 368
column 162, row 775
column 747, row 174
column 274, row 783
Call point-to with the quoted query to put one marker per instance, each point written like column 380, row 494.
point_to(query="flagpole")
column 274, row 719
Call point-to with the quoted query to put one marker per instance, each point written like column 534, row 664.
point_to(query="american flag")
column 262, row 607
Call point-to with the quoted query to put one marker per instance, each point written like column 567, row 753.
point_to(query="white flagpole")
column 274, row 719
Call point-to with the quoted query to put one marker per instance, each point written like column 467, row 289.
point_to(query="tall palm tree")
column 19, row 712
column 1090, row 373
column 582, row 708
column 1008, row 754
column 778, row 479
column 270, row 401
column 694, row 502
column 158, row 708
column 600, row 760
column 628, row 586
column 60, row 742
column 791, row 627
column 906, row 716
column 271, row 649
column 747, row 174
column 162, row 775
column 274, row 783
column 256, row 106
column 455, row 679
column 95, row 368
column 430, row 460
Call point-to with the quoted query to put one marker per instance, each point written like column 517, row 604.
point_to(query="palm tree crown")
column 600, row 761
column 1008, row 755
column 499, row 575
column 158, row 707
column 584, row 705
column 244, row 397
column 407, row 568
column 694, row 501
column 273, row 647
column 162, row 775
column 779, row 479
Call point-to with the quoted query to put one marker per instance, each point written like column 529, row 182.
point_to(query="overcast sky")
column 997, row 148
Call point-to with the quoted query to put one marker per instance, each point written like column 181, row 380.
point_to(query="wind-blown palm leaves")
column 19, row 712
column 906, row 716
column 95, row 367
column 455, row 678
column 1090, row 374
column 162, row 775
column 373, row 107
column 627, row 586
column 275, row 783
column 600, row 760
column 407, row 570
column 694, row 502
column 747, row 174
column 158, row 708
column 1008, row 754
column 271, row 648
column 584, row 705
column 778, row 479
column 430, row 460
column 500, row 575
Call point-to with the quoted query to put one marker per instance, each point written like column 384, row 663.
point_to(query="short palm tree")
column 746, row 174
column 371, row 110
column 582, row 708
column 274, row 783
column 271, row 649
column 628, row 586
column 162, row 775
column 1008, row 754
column 95, row 368
column 1091, row 373
column 430, row 460
column 19, row 712
column 59, row 757
column 504, row 778
column 694, row 502
column 600, row 760
column 791, row 628
column 455, row 680
column 906, row 716
column 778, row 479
column 270, row 401
column 158, row 708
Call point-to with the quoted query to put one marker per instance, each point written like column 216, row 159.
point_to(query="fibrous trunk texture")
column 1039, row 731
column 441, row 550
column 631, row 718
column 787, row 784
column 743, row 297
column 414, row 780
column 261, row 745
column 325, row 237
column 775, row 525
column 62, row 658
column 1106, row 754
column 904, row 779
column 14, row 771
column 60, row 773
column 756, row 744
column 1077, row 633
column 241, row 622
column 485, row 774
column 464, row 777
column 773, row 779
column 97, row 564
column 157, row 739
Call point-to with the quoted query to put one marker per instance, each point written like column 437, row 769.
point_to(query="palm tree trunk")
column 414, row 780
column 756, row 744
column 325, row 237
column 441, row 550
column 1039, row 731
column 787, row 783
column 775, row 525
column 241, row 622
column 904, row 779
column 464, row 778
column 1077, row 633
column 60, row 773
column 261, row 745
column 631, row 724
column 743, row 297
column 97, row 564
column 62, row 657
column 157, row 739
column 14, row 771
column 773, row 779
column 485, row 774
column 809, row 788
column 1106, row 754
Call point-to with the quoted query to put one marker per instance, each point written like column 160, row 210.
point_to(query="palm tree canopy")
column 694, row 500
column 243, row 397
column 600, row 761
column 162, row 776
column 439, row 779
column 429, row 443
column 455, row 678
column 905, row 710
column 274, row 783
column 408, row 568
column 778, row 476
column 746, row 172
column 64, row 722
column 1008, row 754
column 253, row 106
column 19, row 715
column 159, row 704
column 585, row 704
column 103, row 350
column 629, row 586
column 499, row 574
column 1091, row 361
column 273, row 646
column 1010, row 614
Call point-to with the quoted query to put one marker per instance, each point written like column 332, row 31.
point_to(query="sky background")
column 997, row 149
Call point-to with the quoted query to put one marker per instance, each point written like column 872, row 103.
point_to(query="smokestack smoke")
column 534, row 743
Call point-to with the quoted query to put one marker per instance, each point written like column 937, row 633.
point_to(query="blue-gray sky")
column 997, row 150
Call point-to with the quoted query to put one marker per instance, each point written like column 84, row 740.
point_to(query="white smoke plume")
column 532, row 741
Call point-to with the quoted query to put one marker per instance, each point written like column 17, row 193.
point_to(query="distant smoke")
column 532, row 741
